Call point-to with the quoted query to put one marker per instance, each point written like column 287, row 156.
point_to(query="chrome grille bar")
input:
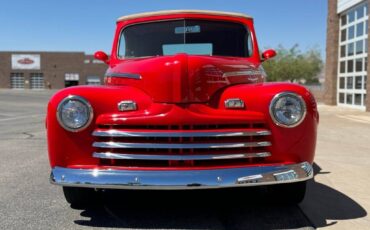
column 124, row 145
column 120, row 156
column 119, row 133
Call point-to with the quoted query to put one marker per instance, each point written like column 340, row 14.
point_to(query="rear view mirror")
column 268, row 54
column 102, row 56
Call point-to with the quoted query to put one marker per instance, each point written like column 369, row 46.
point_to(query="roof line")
column 166, row 12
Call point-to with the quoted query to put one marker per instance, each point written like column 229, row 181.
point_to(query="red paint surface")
column 25, row 61
column 268, row 54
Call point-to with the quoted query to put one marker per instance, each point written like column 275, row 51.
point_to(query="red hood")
column 183, row 78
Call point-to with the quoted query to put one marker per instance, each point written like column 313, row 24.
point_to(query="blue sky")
column 88, row 25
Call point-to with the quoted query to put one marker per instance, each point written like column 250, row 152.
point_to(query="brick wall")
column 94, row 69
column 332, row 36
column 54, row 66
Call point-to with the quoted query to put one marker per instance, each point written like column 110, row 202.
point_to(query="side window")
column 250, row 44
column 122, row 46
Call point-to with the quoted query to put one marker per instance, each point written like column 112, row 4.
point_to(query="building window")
column 365, row 8
column 351, row 32
column 341, row 98
column 342, row 51
column 97, row 62
column 365, row 64
column 343, row 35
column 358, row 82
column 350, row 83
column 93, row 80
column 365, row 82
column 351, row 16
column 350, row 66
column 359, row 47
column 71, row 79
column 342, row 67
column 366, row 45
column 360, row 29
column 359, row 65
column 360, row 12
column 349, row 99
column 343, row 19
column 358, row 98
column 341, row 83
column 353, row 47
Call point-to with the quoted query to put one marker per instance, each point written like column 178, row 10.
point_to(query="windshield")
column 197, row 37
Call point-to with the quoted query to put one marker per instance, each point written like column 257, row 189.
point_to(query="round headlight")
column 287, row 109
column 74, row 113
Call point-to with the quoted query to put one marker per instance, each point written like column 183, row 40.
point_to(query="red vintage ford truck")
column 184, row 106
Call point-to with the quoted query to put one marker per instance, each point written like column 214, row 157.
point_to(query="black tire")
column 80, row 197
column 291, row 193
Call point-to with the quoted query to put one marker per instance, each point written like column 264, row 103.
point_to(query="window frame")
column 249, row 31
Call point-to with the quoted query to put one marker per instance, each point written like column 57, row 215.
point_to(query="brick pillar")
column 331, row 71
column 367, row 102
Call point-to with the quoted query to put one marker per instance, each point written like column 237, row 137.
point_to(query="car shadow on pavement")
column 324, row 205
column 246, row 208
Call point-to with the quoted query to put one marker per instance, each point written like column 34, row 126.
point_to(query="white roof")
column 166, row 12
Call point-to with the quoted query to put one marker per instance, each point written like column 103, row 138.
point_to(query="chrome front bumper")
column 182, row 179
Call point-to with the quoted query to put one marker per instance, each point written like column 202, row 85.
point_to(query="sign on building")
column 26, row 61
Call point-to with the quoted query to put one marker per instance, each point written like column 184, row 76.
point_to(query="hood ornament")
column 125, row 106
column 234, row 103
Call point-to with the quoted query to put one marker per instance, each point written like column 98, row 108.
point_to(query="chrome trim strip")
column 124, row 145
column 241, row 73
column 123, row 75
column 119, row 133
column 121, row 156
column 180, row 179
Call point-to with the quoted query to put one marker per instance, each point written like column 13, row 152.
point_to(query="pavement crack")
column 29, row 135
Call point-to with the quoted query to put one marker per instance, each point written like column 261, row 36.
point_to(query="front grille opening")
column 180, row 164
column 183, row 140
column 184, row 127
column 215, row 151
column 250, row 127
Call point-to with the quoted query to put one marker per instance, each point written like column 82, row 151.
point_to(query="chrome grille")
column 188, row 145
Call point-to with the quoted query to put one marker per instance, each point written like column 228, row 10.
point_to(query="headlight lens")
column 74, row 113
column 287, row 109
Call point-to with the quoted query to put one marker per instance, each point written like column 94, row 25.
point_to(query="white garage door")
column 37, row 81
column 17, row 81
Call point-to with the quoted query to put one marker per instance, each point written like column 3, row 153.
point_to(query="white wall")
column 346, row 4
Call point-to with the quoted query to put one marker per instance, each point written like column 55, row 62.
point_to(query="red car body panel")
column 288, row 145
column 184, row 91
column 187, row 79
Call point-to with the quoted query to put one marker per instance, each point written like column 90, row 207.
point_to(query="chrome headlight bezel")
column 287, row 94
column 82, row 101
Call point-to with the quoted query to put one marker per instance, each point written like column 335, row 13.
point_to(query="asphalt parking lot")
column 338, row 197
